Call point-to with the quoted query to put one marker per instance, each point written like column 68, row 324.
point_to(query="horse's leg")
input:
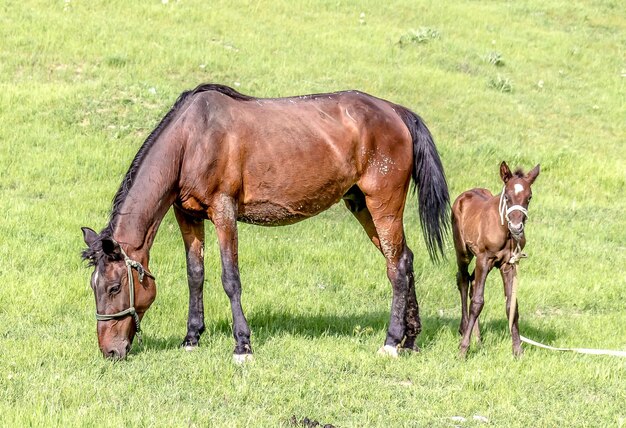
column 413, row 325
column 463, row 259
column 462, row 283
column 355, row 201
column 508, row 273
column 476, row 329
column 192, row 231
column 482, row 270
column 225, row 219
column 387, row 218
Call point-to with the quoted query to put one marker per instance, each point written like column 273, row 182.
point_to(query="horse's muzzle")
column 117, row 351
column 516, row 229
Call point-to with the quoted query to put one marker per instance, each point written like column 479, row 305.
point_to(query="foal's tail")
column 430, row 182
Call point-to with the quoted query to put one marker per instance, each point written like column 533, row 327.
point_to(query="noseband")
column 505, row 211
column 130, row 264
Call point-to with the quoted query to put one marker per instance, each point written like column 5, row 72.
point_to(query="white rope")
column 505, row 210
column 578, row 350
column 515, row 261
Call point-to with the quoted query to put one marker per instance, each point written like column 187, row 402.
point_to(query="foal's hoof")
column 518, row 352
column 462, row 353
column 242, row 358
column 388, row 351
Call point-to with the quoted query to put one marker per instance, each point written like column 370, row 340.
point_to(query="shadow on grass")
column 266, row 324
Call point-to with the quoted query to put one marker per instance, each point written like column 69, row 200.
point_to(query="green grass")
column 82, row 83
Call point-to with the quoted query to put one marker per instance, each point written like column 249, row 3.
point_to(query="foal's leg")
column 476, row 329
column 462, row 283
column 192, row 231
column 508, row 273
column 225, row 219
column 463, row 278
column 482, row 270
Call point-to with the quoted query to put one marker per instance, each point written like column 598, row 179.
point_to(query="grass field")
column 82, row 83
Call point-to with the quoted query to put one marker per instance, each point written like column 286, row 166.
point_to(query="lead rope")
column 514, row 260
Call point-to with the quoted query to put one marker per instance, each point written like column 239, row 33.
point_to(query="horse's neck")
column 152, row 193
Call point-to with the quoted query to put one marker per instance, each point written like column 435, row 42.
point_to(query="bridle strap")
column 505, row 210
column 141, row 271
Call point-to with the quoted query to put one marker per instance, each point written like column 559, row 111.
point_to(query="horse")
column 223, row 156
column 479, row 230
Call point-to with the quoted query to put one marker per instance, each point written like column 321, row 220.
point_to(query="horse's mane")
column 120, row 196
column 519, row 173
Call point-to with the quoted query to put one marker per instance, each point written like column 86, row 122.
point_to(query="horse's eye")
column 529, row 198
column 114, row 289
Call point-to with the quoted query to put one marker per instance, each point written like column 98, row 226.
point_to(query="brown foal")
column 490, row 228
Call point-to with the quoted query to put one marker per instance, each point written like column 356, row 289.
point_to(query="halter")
column 504, row 214
column 130, row 264
column 505, row 211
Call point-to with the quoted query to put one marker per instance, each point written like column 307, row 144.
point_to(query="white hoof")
column 389, row 351
column 190, row 348
column 242, row 358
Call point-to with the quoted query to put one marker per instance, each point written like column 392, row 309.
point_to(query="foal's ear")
column 532, row 174
column 89, row 235
column 505, row 172
column 110, row 248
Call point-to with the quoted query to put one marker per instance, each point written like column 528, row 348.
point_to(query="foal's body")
column 227, row 157
column 478, row 231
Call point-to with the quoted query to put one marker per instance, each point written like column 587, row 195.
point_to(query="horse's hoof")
column 242, row 358
column 389, row 351
column 412, row 349
column 518, row 352
column 190, row 348
column 462, row 353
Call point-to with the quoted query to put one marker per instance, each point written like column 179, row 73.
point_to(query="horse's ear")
column 505, row 172
column 532, row 175
column 110, row 248
column 89, row 235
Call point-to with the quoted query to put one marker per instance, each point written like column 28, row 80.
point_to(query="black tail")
column 430, row 182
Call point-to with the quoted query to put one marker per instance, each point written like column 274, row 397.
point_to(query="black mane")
column 120, row 196
column 92, row 254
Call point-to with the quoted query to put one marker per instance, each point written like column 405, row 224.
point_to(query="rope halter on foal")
column 141, row 271
column 505, row 210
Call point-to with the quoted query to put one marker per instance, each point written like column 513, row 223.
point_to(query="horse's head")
column 123, row 289
column 515, row 197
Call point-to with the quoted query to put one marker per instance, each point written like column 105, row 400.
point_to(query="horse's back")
column 285, row 159
column 468, row 211
column 470, row 200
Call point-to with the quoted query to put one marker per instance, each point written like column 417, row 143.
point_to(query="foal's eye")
column 114, row 289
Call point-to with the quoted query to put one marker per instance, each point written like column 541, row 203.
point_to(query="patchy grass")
column 83, row 83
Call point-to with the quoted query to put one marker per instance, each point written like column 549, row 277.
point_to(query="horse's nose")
column 113, row 354
column 117, row 352
column 516, row 228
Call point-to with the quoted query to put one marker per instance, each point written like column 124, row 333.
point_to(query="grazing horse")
column 491, row 228
column 227, row 157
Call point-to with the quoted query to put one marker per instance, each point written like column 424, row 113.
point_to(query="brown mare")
column 479, row 229
column 228, row 157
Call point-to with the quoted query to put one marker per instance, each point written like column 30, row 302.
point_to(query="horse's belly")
column 268, row 213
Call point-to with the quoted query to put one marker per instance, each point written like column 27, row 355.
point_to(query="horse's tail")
column 430, row 182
